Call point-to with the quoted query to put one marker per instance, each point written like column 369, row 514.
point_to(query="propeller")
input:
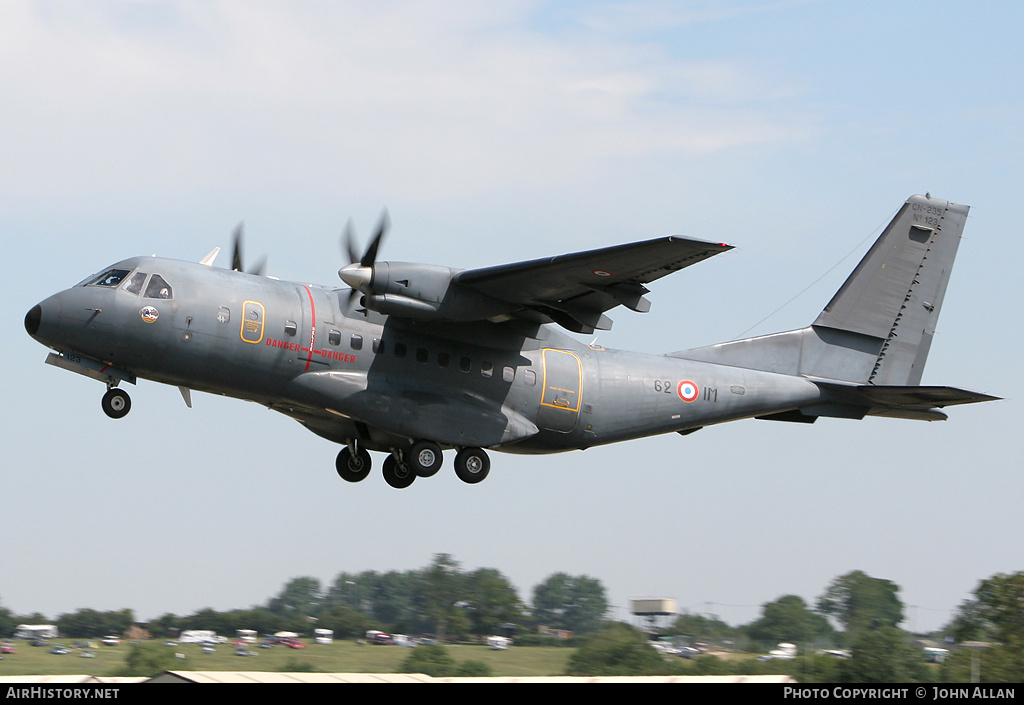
column 358, row 273
column 236, row 255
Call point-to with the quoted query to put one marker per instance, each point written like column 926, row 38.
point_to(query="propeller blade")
column 370, row 256
column 358, row 273
column 236, row 256
column 348, row 241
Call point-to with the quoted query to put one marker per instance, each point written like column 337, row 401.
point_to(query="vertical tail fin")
column 895, row 293
column 878, row 327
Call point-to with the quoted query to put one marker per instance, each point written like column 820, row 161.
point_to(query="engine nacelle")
column 426, row 292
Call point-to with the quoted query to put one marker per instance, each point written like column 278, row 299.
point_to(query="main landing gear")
column 116, row 403
column 402, row 467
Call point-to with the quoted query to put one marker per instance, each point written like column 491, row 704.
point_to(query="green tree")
column 883, row 655
column 8, row 622
column 860, row 602
column 300, row 597
column 209, row 618
column 577, row 604
column 788, row 619
column 616, row 650
column 166, row 625
column 1000, row 601
column 700, row 628
column 148, row 659
column 431, row 659
column 995, row 614
column 395, row 600
column 492, row 601
column 345, row 622
column 473, row 669
column 92, row 623
column 442, row 589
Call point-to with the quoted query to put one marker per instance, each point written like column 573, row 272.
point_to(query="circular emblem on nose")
column 149, row 314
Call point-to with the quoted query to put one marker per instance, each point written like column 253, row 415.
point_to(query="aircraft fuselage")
column 290, row 346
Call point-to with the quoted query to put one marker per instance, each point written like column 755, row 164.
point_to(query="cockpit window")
column 158, row 288
column 111, row 277
column 135, row 282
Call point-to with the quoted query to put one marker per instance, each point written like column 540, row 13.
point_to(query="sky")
column 498, row 132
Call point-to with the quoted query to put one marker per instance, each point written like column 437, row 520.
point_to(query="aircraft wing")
column 575, row 289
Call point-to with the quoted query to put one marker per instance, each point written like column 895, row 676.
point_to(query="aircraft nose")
column 32, row 319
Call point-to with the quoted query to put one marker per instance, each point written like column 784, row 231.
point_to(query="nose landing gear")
column 116, row 403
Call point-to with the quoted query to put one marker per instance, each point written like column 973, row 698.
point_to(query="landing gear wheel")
column 353, row 467
column 116, row 403
column 472, row 465
column 396, row 474
column 424, row 458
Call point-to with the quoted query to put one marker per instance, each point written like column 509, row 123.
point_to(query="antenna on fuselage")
column 208, row 260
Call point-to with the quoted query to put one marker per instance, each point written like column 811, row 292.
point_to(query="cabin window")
column 135, row 282
column 334, row 337
column 223, row 314
column 378, row 346
column 400, row 349
column 158, row 288
column 444, row 359
column 465, row 364
column 508, row 374
column 486, row 369
column 290, row 328
column 530, row 377
column 356, row 342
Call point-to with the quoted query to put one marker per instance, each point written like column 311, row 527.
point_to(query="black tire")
column 397, row 475
column 116, row 403
column 353, row 468
column 424, row 458
column 472, row 465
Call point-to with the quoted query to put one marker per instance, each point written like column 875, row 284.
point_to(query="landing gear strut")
column 116, row 403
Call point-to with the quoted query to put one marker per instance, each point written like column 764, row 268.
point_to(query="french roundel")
column 688, row 391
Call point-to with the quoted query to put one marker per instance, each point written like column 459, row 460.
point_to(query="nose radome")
column 32, row 318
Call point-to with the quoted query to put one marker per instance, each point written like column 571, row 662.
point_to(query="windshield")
column 110, row 278
column 135, row 282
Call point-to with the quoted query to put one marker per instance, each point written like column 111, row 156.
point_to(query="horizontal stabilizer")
column 903, row 401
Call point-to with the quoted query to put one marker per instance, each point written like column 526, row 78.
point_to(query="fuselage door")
column 562, row 390
column 253, row 317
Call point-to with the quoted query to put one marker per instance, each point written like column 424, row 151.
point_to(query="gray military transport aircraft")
column 415, row 359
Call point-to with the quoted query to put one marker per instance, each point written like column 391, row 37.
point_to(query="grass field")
column 339, row 657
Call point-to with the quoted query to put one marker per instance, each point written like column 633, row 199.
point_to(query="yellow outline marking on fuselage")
column 263, row 319
column 544, row 383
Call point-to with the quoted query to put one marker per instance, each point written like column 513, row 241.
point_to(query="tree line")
column 856, row 612
column 441, row 599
